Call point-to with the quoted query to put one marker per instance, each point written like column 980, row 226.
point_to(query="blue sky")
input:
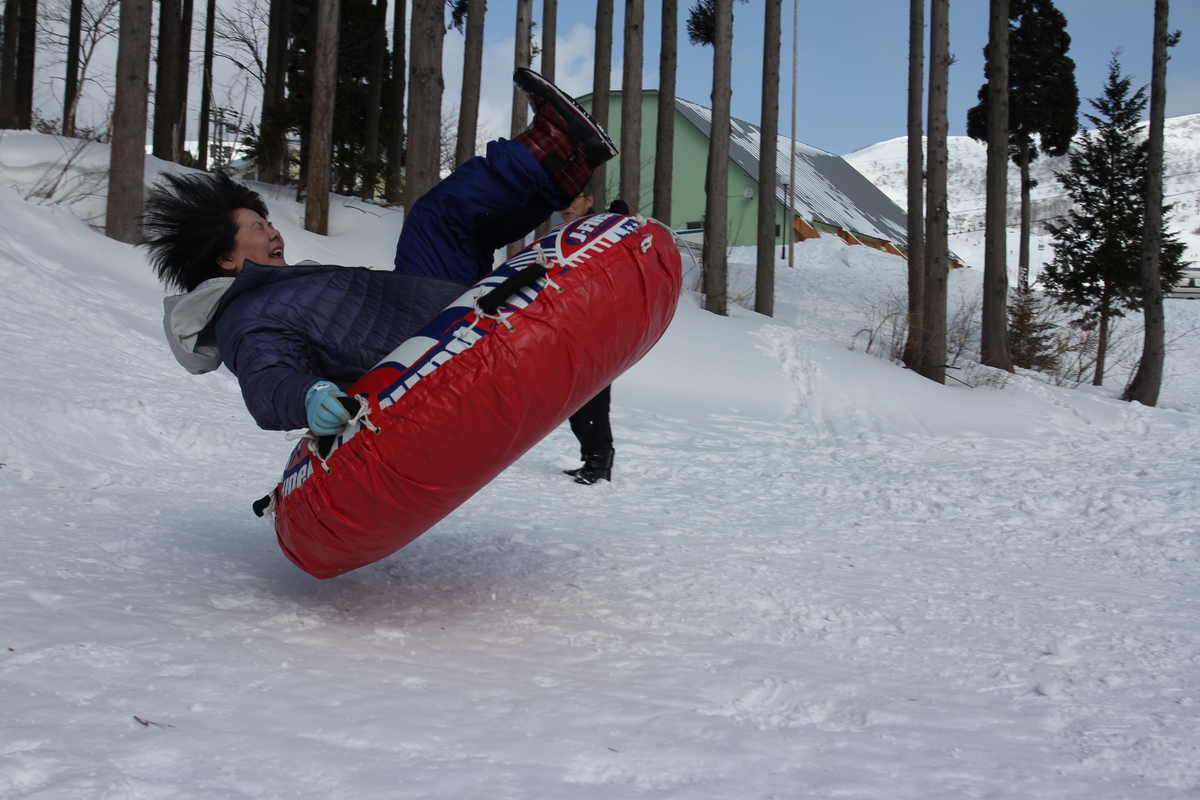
column 852, row 60
column 852, row 63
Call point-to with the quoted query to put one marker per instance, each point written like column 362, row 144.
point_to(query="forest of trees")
column 344, row 110
column 1111, row 254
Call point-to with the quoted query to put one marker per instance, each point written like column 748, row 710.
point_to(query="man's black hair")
column 188, row 223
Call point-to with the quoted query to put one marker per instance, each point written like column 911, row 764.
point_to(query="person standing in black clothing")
column 590, row 423
column 591, row 427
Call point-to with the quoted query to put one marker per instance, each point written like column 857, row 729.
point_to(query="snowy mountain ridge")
column 885, row 165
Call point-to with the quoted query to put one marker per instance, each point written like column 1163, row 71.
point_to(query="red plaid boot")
column 564, row 138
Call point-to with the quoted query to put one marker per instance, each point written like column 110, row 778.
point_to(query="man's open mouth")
column 277, row 252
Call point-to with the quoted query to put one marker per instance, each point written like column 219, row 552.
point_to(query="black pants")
column 590, row 425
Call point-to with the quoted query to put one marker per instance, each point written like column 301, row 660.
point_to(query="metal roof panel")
column 827, row 188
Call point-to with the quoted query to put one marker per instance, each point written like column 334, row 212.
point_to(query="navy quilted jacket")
column 281, row 329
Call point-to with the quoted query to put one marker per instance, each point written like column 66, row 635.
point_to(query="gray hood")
column 188, row 325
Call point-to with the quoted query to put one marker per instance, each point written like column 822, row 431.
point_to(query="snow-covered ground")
column 815, row 574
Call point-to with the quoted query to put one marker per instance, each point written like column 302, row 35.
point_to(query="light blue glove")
column 326, row 416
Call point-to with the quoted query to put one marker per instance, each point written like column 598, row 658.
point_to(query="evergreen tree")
column 1096, row 267
column 359, row 20
column 458, row 13
column 701, row 22
column 1043, row 99
column 1031, row 332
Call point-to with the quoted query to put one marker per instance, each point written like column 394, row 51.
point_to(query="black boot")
column 597, row 466
column 565, row 139
column 569, row 118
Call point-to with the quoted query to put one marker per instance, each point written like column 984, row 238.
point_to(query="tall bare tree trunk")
column 1147, row 381
column 183, row 74
column 1102, row 342
column 716, row 184
column 272, row 128
column 768, row 154
column 166, row 81
column 393, row 190
column 320, row 132
column 601, row 77
column 631, row 106
column 549, row 39
column 522, row 57
column 170, row 82
column 932, row 363
column 206, row 81
column 425, row 99
column 915, row 345
column 71, row 87
column 26, row 50
column 1023, row 158
column 370, row 175
column 664, row 144
column 8, row 64
column 468, row 111
column 549, row 68
column 994, row 351
column 127, row 165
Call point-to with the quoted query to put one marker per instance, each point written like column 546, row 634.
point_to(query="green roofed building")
column 830, row 197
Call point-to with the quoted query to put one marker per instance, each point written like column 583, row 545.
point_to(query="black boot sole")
column 582, row 129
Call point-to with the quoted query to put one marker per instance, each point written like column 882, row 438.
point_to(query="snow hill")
column 814, row 574
column 885, row 164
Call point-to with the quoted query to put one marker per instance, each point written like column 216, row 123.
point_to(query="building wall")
column 690, row 167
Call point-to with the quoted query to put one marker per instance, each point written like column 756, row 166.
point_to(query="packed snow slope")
column 813, row 575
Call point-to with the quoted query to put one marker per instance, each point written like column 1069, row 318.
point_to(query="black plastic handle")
column 490, row 303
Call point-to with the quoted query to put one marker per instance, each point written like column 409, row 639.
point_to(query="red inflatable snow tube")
column 456, row 404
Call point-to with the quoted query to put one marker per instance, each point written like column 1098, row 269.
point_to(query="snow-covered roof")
column 827, row 188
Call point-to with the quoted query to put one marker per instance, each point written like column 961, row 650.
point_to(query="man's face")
column 256, row 240
column 579, row 206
